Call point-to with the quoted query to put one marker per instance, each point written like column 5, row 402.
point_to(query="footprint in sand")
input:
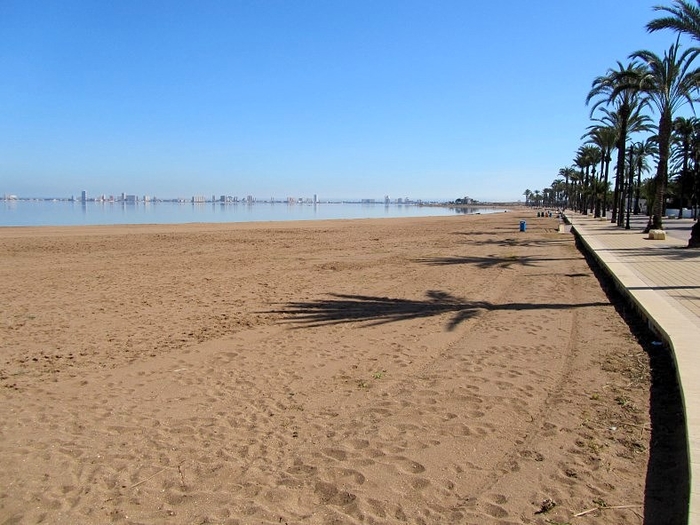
column 328, row 493
column 336, row 453
column 302, row 470
column 407, row 465
column 420, row 483
column 529, row 454
column 359, row 444
column 495, row 511
column 347, row 475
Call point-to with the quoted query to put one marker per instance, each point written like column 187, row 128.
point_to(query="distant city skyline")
column 84, row 196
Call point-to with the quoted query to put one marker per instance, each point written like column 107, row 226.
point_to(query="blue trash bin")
column 523, row 226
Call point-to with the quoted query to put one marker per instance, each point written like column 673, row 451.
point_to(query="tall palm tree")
column 595, row 157
column 580, row 162
column 567, row 174
column 695, row 154
column 615, row 89
column 587, row 158
column 605, row 138
column 682, row 138
column 667, row 83
column 636, row 123
column 538, row 197
column 558, row 192
column 641, row 151
column 684, row 18
column 576, row 179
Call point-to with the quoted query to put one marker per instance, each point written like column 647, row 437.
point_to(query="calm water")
column 62, row 213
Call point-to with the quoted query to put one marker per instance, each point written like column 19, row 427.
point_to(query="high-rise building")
column 83, row 196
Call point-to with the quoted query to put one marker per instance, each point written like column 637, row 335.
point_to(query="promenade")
column 662, row 278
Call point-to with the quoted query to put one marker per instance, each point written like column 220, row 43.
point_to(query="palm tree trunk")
column 624, row 113
column 619, row 173
column 605, row 186
column 684, row 176
column 592, row 191
column 694, row 241
column 656, row 221
column 597, row 186
column 695, row 187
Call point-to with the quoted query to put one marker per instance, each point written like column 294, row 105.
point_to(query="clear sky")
column 341, row 98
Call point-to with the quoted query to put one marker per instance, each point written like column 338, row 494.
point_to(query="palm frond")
column 683, row 17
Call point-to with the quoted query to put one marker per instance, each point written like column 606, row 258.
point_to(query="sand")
column 427, row 370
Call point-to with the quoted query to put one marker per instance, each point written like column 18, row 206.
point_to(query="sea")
column 39, row 212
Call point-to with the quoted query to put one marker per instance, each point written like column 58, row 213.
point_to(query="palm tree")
column 567, row 174
column 576, row 182
column 547, row 197
column 587, row 157
column 538, row 198
column 605, row 138
column 683, row 131
column 666, row 83
column 595, row 156
column 641, row 151
column 528, row 196
column 695, row 153
column 583, row 163
column 614, row 88
column 636, row 123
column 685, row 18
column 558, row 192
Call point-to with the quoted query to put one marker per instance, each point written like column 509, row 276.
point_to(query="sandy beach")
column 424, row 371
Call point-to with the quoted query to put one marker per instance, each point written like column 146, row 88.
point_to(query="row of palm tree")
column 623, row 101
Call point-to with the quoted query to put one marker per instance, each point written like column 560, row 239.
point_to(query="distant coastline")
column 71, row 212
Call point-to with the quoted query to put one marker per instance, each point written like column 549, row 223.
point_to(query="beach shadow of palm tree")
column 676, row 253
column 370, row 310
column 492, row 261
column 492, row 231
column 510, row 242
column 477, row 233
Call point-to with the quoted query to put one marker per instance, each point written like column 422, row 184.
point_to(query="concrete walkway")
column 663, row 279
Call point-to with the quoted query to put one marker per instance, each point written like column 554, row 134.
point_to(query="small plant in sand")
column 600, row 502
column 622, row 401
column 546, row 505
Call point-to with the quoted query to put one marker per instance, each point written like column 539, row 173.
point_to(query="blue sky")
column 352, row 98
